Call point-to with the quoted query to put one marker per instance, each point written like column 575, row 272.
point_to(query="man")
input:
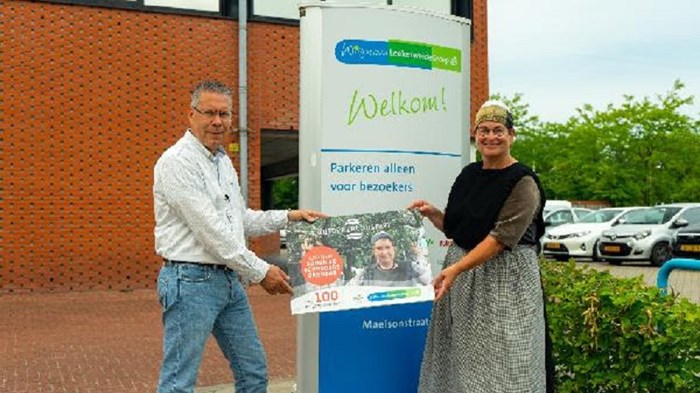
column 385, row 271
column 201, row 224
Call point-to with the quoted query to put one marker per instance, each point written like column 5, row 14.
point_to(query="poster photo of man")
column 357, row 261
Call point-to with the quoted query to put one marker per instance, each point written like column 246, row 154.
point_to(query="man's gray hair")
column 210, row 86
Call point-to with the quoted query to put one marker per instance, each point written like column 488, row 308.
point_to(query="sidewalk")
column 110, row 341
column 279, row 386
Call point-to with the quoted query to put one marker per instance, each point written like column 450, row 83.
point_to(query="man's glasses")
column 211, row 114
column 497, row 131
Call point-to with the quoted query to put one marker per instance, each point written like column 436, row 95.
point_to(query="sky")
column 562, row 54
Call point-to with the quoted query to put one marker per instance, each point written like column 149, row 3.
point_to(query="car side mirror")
column 618, row 222
column 680, row 223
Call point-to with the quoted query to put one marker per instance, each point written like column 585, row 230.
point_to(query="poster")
column 358, row 261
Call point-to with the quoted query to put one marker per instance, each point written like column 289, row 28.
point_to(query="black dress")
column 488, row 333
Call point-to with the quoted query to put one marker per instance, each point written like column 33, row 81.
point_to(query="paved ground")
column 110, row 342
column 685, row 283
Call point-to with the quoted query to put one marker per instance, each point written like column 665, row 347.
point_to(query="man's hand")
column 276, row 281
column 305, row 214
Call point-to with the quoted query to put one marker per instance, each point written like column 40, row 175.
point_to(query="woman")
column 487, row 331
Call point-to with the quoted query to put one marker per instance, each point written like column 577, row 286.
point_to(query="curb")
column 276, row 386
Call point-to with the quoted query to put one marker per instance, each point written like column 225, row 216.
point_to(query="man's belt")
column 215, row 266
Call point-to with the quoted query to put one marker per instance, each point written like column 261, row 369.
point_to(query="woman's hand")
column 485, row 250
column 444, row 280
column 428, row 211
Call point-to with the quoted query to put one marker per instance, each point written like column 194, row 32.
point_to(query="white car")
column 579, row 239
column 646, row 234
column 566, row 215
column 551, row 205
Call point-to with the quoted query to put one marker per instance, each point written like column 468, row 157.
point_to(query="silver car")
column 645, row 234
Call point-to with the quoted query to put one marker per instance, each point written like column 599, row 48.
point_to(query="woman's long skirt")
column 487, row 335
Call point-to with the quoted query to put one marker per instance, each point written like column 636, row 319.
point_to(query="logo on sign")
column 400, row 54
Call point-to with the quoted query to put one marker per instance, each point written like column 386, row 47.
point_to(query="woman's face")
column 493, row 139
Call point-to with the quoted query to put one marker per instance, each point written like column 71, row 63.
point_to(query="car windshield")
column 604, row 215
column 653, row 215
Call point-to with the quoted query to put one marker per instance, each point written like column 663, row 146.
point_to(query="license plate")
column 690, row 247
column 612, row 248
column 552, row 246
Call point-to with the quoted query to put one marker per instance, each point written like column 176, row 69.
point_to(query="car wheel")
column 660, row 254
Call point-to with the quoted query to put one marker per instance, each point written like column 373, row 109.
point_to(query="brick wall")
column 479, row 78
column 273, row 85
column 90, row 98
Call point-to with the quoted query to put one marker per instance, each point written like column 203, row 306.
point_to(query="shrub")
column 619, row 335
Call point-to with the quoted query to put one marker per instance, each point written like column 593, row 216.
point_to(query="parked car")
column 685, row 242
column 646, row 234
column 580, row 239
column 551, row 205
column 565, row 215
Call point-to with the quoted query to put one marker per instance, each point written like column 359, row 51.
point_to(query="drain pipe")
column 243, row 95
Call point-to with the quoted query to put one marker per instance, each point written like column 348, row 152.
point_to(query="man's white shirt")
column 200, row 214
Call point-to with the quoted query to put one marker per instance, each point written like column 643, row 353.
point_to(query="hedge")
column 618, row 335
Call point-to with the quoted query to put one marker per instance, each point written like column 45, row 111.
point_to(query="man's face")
column 384, row 252
column 206, row 120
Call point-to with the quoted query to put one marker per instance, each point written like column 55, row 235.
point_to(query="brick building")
column 93, row 91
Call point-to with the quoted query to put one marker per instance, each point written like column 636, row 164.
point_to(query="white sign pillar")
column 384, row 120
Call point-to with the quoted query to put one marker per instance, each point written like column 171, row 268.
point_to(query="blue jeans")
column 198, row 301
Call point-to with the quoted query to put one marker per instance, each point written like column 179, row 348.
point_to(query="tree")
column 530, row 145
column 634, row 153
column 285, row 193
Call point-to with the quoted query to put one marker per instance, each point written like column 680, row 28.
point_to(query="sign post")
column 384, row 120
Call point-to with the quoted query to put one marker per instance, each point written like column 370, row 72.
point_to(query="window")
column 289, row 9
column 581, row 212
column 207, row 7
column 197, row 5
column 279, row 11
column 600, row 216
column 560, row 217
column 692, row 215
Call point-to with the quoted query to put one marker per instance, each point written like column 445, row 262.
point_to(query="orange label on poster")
column 321, row 265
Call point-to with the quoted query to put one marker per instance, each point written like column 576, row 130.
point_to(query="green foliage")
column 635, row 153
column 528, row 128
column 524, row 122
column 285, row 193
column 618, row 335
